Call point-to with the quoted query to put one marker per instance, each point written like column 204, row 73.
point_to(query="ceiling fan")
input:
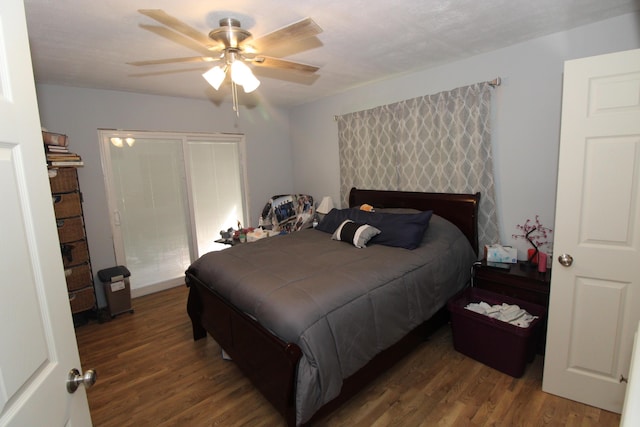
column 233, row 47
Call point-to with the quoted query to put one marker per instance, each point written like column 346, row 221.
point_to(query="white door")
column 595, row 289
column 631, row 409
column 37, row 341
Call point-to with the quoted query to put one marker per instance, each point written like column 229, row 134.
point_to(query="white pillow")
column 356, row 234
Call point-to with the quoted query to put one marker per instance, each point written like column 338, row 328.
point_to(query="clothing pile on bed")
column 510, row 313
column 288, row 213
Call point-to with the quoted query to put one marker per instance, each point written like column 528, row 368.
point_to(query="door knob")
column 565, row 259
column 75, row 379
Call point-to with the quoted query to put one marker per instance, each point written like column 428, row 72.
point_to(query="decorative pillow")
column 330, row 222
column 399, row 230
column 356, row 234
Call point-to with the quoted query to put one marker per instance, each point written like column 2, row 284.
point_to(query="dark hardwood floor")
column 152, row 373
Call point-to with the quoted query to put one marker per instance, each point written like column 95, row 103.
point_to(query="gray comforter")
column 340, row 304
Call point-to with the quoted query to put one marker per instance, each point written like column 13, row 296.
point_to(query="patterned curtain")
column 435, row 143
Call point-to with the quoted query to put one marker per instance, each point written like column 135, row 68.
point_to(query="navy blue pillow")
column 399, row 230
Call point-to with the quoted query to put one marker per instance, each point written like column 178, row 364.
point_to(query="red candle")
column 542, row 262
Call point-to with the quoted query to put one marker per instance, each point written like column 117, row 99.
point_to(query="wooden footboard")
column 270, row 363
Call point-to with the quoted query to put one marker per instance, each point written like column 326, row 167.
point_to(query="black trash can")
column 115, row 281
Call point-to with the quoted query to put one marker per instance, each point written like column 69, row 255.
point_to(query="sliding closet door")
column 169, row 196
column 151, row 209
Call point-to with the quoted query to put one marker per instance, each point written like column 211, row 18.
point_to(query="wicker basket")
column 75, row 253
column 70, row 229
column 82, row 300
column 78, row 277
column 66, row 205
column 65, row 181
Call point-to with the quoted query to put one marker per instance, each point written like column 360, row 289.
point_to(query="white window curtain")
column 437, row 143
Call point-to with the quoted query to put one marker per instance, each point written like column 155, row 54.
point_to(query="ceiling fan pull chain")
column 234, row 94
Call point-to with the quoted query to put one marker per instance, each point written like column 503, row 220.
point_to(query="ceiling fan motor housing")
column 229, row 34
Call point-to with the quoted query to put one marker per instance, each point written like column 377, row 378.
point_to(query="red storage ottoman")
column 500, row 345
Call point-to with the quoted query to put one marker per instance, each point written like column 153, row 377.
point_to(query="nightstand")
column 519, row 281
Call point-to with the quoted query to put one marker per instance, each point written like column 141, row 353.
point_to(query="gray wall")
column 80, row 112
column 297, row 150
column 525, row 116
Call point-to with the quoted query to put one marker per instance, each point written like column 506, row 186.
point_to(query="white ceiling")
column 88, row 43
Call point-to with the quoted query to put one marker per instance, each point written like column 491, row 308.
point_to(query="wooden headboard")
column 459, row 208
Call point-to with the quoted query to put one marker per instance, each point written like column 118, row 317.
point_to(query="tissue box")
column 258, row 234
column 498, row 253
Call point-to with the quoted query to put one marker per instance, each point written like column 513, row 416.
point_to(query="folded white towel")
column 509, row 313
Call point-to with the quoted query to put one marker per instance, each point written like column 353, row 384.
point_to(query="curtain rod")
column 493, row 83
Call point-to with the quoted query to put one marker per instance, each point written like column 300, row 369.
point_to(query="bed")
column 310, row 320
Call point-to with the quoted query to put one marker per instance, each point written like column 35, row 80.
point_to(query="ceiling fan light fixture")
column 239, row 72
column 251, row 83
column 241, row 75
column 215, row 76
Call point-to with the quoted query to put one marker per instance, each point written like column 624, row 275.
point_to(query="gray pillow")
column 356, row 234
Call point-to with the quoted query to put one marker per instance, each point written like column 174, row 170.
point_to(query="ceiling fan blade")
column 268, row 61
column 180, row 39
column 178, row 26
column 200, row 69
column 277, row 74
column 298, row 30
column 174, row 60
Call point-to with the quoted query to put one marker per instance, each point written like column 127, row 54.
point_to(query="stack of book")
column 57, row 151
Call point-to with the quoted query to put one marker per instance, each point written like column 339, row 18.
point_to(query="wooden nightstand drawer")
column 520, row 281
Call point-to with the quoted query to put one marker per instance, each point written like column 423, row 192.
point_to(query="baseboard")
column 157, row 287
